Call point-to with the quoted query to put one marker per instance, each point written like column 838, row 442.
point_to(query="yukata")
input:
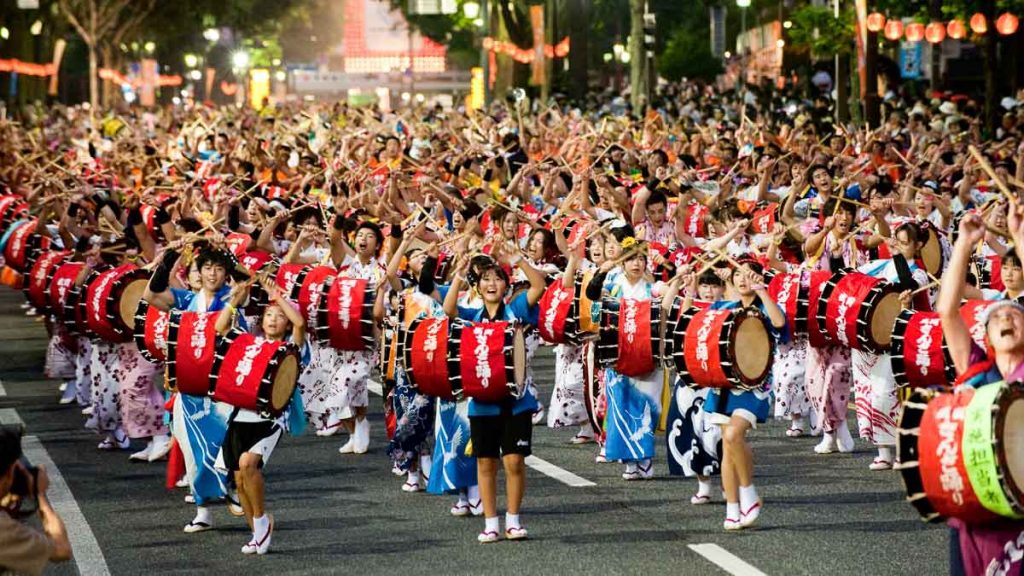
column 335, row 382
column 60, row 354
column 141, row 402
column 789, row 372
column 694, row 443
column 874, row 386
column 633, row 403
column 414, row 412
column 197, row 422
column 568, row 402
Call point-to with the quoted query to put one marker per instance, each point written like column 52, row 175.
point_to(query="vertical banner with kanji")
column 537, row 21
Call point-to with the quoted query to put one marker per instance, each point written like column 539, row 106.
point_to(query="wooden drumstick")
column 928, row 286
column 992, row 174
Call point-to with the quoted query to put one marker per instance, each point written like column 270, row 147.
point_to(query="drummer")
column 501, row 430
column 251, row 438
column 975, row 549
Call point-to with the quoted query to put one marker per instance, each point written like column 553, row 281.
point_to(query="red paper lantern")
column 978, row 23
column 956, row 29
column 876, row 21
column 935, row 32
column 915, row 32
column 1007, row 24
column 893, row 30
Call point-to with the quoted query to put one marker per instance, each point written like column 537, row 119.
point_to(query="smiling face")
column 212, row 276
column 924, row 203
column 458, row 222
column 1005, row 330
column 492, row 286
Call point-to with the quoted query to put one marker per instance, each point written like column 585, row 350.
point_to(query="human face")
column 212, row 276
column 195, row 279
column 924, row 203
column 656, row 213
column 843, row 221
column 597, row 250
column 275, row 323
column 458, row 221
column 710, row 292
column 612, row 248
column 416, row 263
column 492, row 286
column 366, row 243
column 635, row 267
column 904, row 245
column 1012, row 276
column 740, row 282
column 509, row 226
column 535, row 247
column 1005, row 330
column 822, row 181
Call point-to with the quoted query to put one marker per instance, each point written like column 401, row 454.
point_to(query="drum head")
column 753, row 349
column 907, row 431
column 130, row 298
column 284, row 382
column 519, row 360
column 883, row 318
column 1010, row 430
column 931, row 253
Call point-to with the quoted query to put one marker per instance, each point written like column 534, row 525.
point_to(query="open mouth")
column 1006, row 332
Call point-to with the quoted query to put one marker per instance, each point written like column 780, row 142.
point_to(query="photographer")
column 23, row 549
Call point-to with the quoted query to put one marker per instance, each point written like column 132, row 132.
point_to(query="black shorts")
column 496, row 436
column 256, row 437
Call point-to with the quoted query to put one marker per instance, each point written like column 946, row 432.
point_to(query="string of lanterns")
column 936, row 32
column 525, row 56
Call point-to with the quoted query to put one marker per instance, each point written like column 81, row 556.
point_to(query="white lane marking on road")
column 9, row 416
column 725, row 560
column 87, row 553
column 563, row 476
column 3, row 391
column 375, row 387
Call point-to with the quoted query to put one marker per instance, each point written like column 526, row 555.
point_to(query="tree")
column 688, row 54
column 96, row 21
column 638, row 78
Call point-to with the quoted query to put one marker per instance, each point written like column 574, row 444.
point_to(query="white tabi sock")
column 492, row 524
column 511, row 521
column 473, row 492
column 732, row 511
column 885, row 453
column 748, row 497
column 260, row 525
column 703, row 488
column 202, row 515
column 414, row 477
column 797, row 422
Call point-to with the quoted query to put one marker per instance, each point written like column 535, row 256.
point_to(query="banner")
column 149, row 76
column 58, row 55
column 537, row 21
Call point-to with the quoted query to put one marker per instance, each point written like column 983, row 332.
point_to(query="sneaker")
column 142, row 455
column 731, row 524
column 515, row 533
column 349, row 447
column 476, row 508
column 880, row 463
column 460, row 509
column 411, row 487
column 161, row 448
column 539, row 417
column 251, row 547
column 263, row 545
column 487, row 536
column 748, row 518
column 197, row 526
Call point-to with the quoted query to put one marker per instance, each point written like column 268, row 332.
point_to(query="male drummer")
column 983, row 549
column 250, row 437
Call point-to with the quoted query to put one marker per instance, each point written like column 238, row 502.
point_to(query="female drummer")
column 634, row 403
column 198, row 424
column 251, row 438
column 976, row 549
column 501, row 430
column 738, row 411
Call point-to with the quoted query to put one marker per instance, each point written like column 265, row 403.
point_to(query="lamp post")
column 743, row 5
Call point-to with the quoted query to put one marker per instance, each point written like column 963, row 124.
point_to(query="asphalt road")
column 334, row 513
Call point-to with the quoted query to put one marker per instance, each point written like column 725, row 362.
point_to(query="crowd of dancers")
column 716, row 261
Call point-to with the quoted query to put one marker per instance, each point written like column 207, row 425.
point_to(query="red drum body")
column 973, row 311
column 631, row 340
column 990, row 273
column 254, row 373
column 556, row 318
column 491, row 359
column 812, row 327
column 426, row 358
column 24, row 245
column 151, row 331
column 40, row 278
column 345, row 314
column 722, row 348
column 61, row 283
column 919, row 355
column 238, row 243
column 788, row 292
column 858, row 311
column 111, row 301
column 256, row 261
column 191, row 349
column 286, row 277
column 12, row 206
column 308, row 291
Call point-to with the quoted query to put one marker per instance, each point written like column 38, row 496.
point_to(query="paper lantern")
column 876, row 21
column 1007, row 24
column 893, row 30
column 978, row 23
column 956, row 29
column 915, row 32
column 935, row 32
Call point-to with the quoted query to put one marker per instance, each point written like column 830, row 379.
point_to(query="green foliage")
column 817, row 31
column 688, row 54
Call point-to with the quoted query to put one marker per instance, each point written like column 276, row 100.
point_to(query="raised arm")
column 958, row 337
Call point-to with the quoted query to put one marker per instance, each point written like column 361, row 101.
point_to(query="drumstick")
column 992, row 174
column 708, row 265
column 928, row 286
column 843, row 198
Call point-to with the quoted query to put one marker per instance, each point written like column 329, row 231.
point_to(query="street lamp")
column 191, row 60
column 195, row 75
column 150, row 46
column 37, row 28
column 5, row 33
column 478, row 13
column 240, row 59
column 211, row 35
column 471, row 10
